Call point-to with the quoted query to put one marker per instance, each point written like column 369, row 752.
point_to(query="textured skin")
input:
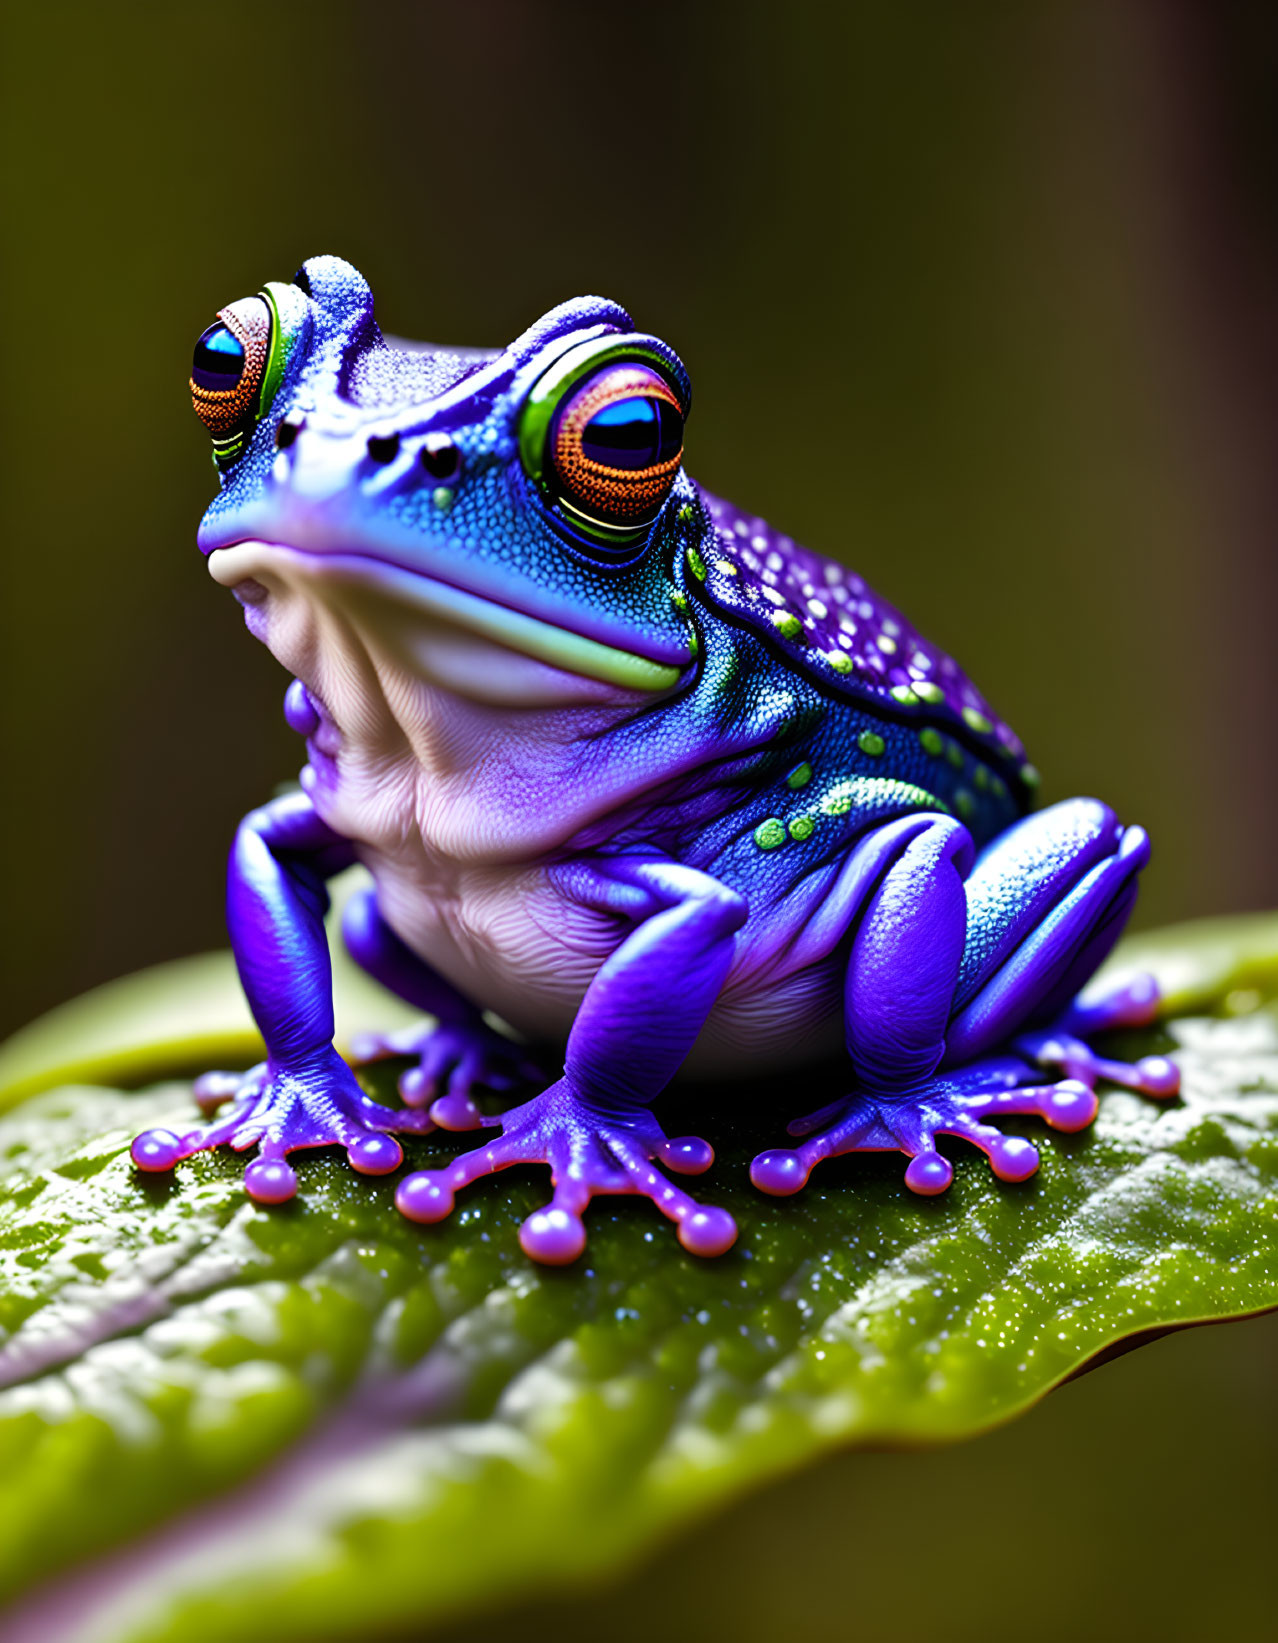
column 696, row 798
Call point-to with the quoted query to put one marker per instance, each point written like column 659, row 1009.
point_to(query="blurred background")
column 979, row 298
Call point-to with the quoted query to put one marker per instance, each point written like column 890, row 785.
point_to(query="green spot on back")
column 976, row 721
column 770, row 834
column 840, row 662
column 926, row 691
column 678, row 600
column 788, row 626
column 799, row 777
column 932, row 743
column 1030, row 776
column 965, row 804
column 696, row 564
column 802, row 827
column 869, row 742
column 954, row 753
column 905, row 695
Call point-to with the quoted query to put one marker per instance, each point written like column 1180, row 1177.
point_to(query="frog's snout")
column 316, row 464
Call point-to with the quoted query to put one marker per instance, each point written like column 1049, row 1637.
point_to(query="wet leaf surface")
column 324, row 1421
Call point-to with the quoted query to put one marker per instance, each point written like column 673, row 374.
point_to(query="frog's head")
column 508, row 518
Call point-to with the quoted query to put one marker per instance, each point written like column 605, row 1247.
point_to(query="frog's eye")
column 227, row 372
column 615, row 444
column 604, row 438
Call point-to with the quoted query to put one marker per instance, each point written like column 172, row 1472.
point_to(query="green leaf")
column 323, row 1421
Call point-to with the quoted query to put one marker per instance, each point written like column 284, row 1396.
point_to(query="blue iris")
column 219, row 359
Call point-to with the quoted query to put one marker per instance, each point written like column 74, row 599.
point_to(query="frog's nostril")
column 286, row 432
column 383, row 447
column 440, row 457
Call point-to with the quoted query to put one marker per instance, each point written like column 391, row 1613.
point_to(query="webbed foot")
column 590, row 1152
column 282, row 1111
column 948, row 1105
column 958, row 1102
column 453, row 1060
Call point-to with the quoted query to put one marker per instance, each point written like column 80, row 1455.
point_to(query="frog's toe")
column 955, row 1104
column 1134, row 1003
column 283, row 1112
column 156, row 1150
column 555, row 1236
column 1154, row 1075
column 162, row 1149
column 451, row 1061
column 455, row 1111
column 270, row 1181
column 929, row 1174
column 590, row 1154
column 1012, row 1157
column 781, row 1172
column 214, row 1089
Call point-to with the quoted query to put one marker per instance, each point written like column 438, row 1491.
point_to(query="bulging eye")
column 601, row 435
column 227, row 373
column 614, row 446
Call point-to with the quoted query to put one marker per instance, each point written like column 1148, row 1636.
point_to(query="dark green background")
column 980, row 298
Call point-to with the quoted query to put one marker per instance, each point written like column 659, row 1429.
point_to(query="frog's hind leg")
column 1039, row 912
column 1021, row 975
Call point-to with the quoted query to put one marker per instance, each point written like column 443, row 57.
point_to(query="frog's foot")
column 282, row 1111
column 1152, row 1075
column 950, row 1104
column 1062, row 1047
column 590, row 1152
column 957, row 1101
column 453, row 1059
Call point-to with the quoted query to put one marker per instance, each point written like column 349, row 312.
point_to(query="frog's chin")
column 443, row 635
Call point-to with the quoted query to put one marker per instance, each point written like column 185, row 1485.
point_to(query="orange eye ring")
column 615, row 446
column 224, row 410
column 601, row 435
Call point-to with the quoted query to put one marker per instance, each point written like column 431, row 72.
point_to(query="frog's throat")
column 544, row 642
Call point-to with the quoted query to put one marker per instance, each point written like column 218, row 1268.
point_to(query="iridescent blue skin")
column 754, row 821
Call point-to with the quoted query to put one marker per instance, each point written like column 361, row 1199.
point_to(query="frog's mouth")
column 254, row 565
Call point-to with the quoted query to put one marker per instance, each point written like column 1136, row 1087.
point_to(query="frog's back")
column 830, row 626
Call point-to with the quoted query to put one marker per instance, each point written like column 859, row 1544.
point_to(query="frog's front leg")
column 949, row 967
column 640, row 1016
column 453, row 1057
column 303, row 1094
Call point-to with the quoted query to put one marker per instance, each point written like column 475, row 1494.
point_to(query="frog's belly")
column 511, row 943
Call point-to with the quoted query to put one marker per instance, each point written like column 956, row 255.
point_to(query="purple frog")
column 629, row 768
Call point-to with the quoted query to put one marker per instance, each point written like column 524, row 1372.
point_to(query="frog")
column 646, row 793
